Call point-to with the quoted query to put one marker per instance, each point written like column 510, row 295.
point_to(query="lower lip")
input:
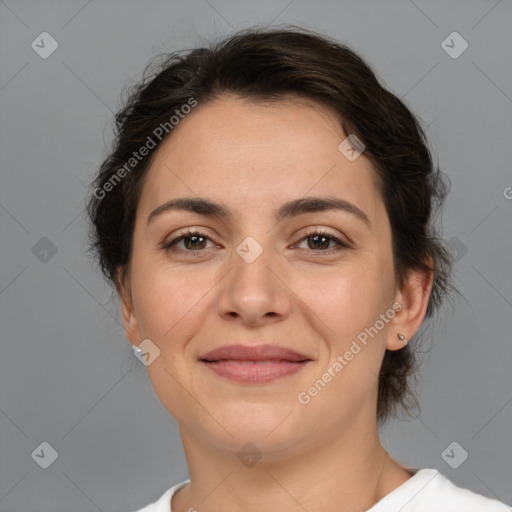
column 255, row 371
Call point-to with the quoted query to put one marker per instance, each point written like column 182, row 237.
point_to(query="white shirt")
column 426, row 491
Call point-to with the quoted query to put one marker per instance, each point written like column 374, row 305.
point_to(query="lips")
column 254, row 364
column 253, row 353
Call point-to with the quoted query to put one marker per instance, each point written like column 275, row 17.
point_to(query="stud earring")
column 401, row 337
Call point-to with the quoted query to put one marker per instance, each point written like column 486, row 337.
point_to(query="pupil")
column 196, row 238
column 316, row 238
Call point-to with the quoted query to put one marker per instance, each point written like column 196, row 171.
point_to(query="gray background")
column 67, row 374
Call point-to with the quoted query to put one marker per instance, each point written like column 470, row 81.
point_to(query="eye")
column 194, row 242
column 320, row 241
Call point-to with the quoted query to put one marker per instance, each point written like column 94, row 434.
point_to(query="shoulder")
column 430, row 491
column 163, row 504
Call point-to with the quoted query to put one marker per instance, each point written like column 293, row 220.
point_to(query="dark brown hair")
column 270, row 65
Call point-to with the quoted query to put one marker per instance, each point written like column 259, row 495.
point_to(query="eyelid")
column 174, row 239
column 340, row 244
column 322, row 230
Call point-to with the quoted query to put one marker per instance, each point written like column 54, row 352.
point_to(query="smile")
column 254, row 364
column 255, row 371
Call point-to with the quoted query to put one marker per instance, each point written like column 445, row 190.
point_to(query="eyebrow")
column 290, row 209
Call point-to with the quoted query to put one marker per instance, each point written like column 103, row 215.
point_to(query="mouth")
column 254, row 364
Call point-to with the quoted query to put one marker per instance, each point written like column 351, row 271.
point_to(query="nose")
column 254, row 292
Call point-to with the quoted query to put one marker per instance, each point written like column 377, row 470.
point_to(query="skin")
column 253, row 157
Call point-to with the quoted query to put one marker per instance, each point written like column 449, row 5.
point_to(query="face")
column 259, row 269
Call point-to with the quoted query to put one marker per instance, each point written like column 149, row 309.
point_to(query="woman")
column 266, row 218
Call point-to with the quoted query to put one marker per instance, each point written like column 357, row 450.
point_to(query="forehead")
column 251, row 154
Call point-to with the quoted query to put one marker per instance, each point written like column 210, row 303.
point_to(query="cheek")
column 346, row 300
column 167, row 299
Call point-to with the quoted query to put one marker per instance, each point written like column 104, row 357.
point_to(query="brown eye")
column 193, row 242
column 320, row 241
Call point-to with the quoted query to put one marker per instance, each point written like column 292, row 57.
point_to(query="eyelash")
column 170, row 245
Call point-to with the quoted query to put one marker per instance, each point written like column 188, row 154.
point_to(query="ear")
column 413, row 297
column 131, row 327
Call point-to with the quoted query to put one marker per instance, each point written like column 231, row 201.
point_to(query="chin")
column 258, row 444
column 270, row 428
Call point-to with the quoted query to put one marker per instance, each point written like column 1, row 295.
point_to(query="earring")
column 401, row 337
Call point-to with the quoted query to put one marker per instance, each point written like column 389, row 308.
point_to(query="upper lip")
column 253, row 353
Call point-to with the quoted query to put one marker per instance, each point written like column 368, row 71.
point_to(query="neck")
column 353, row 469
